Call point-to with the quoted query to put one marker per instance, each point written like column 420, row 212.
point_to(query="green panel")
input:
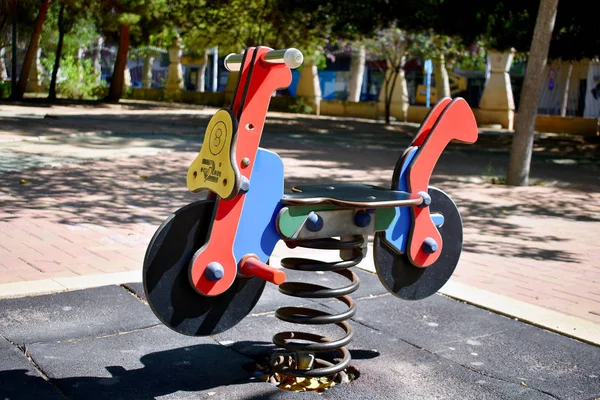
column 292, row 219
column 384, row 218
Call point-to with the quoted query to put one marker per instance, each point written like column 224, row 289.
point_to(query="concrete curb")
column 551, row 320
column 46, row 286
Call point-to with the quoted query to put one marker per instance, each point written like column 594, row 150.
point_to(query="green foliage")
column 128, row 19
column 76, row 79
column 577, row 32
column 144, row 17
column 5, row 90
column 510, row 23
column 26, row 14
column 434, row 45
column 234, row 25
column 502, row 25
column 79, row 25
column 164, row 38
column 394, row 45
column 300, row 106
column 474, row 58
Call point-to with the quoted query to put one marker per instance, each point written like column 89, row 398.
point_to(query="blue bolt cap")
column 362, row 219
column 214, row 271
column 429, row 245
column 426, row 199
column 314, row 222
column 245, row 185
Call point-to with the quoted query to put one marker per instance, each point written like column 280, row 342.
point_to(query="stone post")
column 497, row 105
column 33, row 83
column 442, row 83
column 308, row 84
column 147, row 70
column 399, row 101
column 357, row 73
column 175, row 74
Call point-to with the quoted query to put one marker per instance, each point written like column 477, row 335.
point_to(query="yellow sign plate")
column 214, row 168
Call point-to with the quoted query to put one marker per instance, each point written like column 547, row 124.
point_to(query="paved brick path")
column 96, row 213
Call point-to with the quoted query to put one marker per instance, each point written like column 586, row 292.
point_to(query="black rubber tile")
column 148, row 363
column 137, row 288
column 61, row 316
column 19, row 379
column 488, row 343
column 389, row 368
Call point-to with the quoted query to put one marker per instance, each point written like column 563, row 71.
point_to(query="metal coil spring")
column 303, row 343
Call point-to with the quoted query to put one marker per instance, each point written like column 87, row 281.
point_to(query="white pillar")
column 147, row 70
column 357, row 73
column 308, row 84
column 215, row 69
column 201, row 78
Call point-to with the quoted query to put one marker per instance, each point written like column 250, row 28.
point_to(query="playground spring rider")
column 207, row 264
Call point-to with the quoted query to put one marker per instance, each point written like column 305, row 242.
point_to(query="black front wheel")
column 170, row 294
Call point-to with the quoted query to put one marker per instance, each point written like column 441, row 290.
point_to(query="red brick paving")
column 535, row 244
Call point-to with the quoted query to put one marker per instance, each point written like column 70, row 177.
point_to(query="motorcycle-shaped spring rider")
column 207, row 264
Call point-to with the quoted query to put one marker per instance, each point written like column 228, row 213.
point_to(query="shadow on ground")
column 156, row 117
column 187, row 369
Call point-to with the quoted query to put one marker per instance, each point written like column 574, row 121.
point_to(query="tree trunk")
column 97, row 58
column 3, row 73
column 357, row 73
column 118, row 78
column 97, row 55
column 33, row 82
column 522, row 144
column 388, row 101
column 4, row 19
column 31, row 50
column 565, row 99
column 201, row 87
column 389, row 95
column 147, row 71
column 59, row 46
column 394, row 92
column 13, row 61
column 442, row 83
